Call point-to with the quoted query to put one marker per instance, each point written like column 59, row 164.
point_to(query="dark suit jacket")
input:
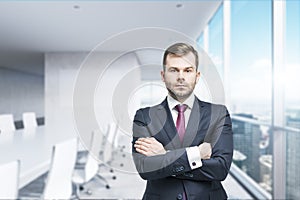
column 169, row 175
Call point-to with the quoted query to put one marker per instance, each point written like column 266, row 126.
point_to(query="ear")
column 197, row 77
column 162, row 74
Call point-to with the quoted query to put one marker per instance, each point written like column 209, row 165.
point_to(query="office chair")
column 58, row 182
column 87, row 166
column 29, row 120
column 7, row 123
column 111, row 146
column 9, row 181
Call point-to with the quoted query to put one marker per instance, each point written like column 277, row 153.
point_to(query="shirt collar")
column 173, row 102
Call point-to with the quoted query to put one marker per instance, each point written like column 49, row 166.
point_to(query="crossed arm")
column 154, row 162
column 150, row 147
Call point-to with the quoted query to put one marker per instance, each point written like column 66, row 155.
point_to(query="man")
column 183, row 147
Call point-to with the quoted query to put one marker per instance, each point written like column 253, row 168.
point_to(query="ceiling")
column 72, row 26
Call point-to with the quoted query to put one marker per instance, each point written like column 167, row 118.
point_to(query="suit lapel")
column 195, row 123
column 164, row 115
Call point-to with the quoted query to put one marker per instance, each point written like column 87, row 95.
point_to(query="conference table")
column 33, row 147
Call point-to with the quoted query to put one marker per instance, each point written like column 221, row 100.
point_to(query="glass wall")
column 249, row 82
column 215, row 39
column 292, row 98
column 251, row 87
column 251, row 58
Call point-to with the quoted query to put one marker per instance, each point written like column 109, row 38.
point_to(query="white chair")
column 9, row 181
column 29, row 120
column 87, row 167
column 104, row 151
column 111, row 147
column 7, row 123
column 58, row 182
column 110, row 143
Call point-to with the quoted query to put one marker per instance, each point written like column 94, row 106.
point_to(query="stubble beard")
column 180, row 95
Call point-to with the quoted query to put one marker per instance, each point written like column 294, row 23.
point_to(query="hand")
column 205, row 150
column 149, row 146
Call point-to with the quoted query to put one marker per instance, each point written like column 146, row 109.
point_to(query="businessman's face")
column 180, row 76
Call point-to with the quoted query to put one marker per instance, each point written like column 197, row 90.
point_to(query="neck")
column 180, row 99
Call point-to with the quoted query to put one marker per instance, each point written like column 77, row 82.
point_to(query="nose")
column 180, row 75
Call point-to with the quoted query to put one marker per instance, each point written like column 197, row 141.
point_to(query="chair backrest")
column 111, row 135
column 59, row 180
column 29, row 120
column 7, row 123
column 91, row 167
column 109, row 143
column 92, row 163
column 9, row 181
column 97, row 142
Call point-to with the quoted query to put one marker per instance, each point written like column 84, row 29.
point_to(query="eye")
column 172, row 70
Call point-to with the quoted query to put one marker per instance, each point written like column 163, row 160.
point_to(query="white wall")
column 82, row 94
column 21, row 92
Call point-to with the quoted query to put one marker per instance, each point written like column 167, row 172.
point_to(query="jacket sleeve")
column 172, row 163
column 217, row 167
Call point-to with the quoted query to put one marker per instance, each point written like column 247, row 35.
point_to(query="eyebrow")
column 183, row 69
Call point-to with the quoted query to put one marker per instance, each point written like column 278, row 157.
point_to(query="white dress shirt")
column 193, row 153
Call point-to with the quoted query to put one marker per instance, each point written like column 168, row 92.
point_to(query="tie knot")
column 181, row 108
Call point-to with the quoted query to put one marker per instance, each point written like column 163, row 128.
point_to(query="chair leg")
column 104, row 180
column 79, row 188
column 76, row 191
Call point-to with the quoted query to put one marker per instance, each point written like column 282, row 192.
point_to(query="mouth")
column 180, row 86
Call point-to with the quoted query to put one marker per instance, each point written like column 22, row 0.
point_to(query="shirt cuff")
column 194, row 158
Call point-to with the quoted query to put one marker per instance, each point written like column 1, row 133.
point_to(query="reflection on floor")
column 129, row 185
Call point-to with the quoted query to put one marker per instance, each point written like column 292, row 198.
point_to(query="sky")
column 251, row 53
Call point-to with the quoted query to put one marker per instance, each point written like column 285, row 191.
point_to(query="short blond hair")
column 180, row 49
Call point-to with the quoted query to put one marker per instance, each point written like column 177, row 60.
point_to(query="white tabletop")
column 33, row 148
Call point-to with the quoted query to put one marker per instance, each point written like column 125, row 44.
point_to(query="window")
column 250, row 69
column 215, row 39
column 251, row 87
column 292, row 98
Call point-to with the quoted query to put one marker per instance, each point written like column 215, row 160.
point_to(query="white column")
column 226, row 50
column 206, row 39
column 278, row 116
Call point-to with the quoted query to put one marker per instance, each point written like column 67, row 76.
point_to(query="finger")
column 142, row 151
column 152, row 139
column 146, row 140
column 208, row 145
column 142, row 147
column 142, row 144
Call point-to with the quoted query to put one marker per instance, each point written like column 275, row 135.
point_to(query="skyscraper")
column 293, row 155
column 246, row 139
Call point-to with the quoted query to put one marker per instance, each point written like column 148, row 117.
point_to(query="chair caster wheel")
column 89, row 192
column 114, row 177
column 111, row 170
column 107, row 186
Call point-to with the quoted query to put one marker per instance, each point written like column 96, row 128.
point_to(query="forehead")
column 187, row 60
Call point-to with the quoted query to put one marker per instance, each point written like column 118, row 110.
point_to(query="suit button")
column 179, row 196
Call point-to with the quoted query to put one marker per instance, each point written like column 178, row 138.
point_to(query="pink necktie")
column 180, row 126
column 180, row 123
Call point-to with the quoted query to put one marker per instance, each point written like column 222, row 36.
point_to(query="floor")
column 129, row 186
